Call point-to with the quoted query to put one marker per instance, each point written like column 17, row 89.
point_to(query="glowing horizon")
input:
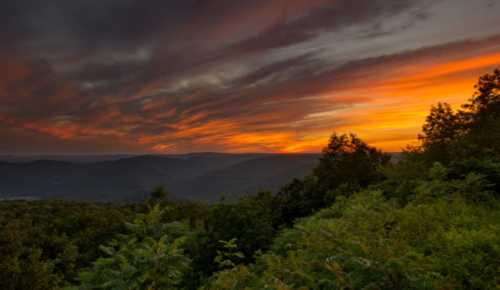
column 221, row 76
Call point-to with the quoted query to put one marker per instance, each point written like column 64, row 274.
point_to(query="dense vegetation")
column 431, row 220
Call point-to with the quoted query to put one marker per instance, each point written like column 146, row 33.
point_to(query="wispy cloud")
column 217, row 75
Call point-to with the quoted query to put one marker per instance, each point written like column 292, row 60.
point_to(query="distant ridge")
column 195, row 176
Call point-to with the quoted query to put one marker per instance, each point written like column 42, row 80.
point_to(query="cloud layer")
column 236, row 76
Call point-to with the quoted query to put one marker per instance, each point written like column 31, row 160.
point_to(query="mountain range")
column 201, row 176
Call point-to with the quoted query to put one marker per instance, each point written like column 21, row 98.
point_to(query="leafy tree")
column 297, row 199
column 43, row 244
column 367, row 242
column 228, row 256
column 483, row 113
column 467, row 140
column 474, row 130
column 485, row 105
column 249, row 221
column 442, row 128
column 149, row 256
column 402, row 177
column 346, row 165
column 349, row 160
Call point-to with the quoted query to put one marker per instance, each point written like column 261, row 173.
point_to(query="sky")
column 178, row 76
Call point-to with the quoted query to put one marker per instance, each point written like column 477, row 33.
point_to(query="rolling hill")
column 202, row 176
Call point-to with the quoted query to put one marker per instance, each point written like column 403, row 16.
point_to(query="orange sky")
column 389, row 115
column 260, row 76
column 391, row 118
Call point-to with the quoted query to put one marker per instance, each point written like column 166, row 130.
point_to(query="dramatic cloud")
column 223, row 75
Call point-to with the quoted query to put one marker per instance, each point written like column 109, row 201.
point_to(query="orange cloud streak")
column 394, row 118
column 390, row 109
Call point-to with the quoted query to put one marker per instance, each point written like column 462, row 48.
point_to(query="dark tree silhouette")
column 348, row 160
column 347, row 165
column 442, row 126
column 483, row 113
column 472, row 130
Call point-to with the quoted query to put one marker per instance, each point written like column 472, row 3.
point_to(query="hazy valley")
column 200, row 177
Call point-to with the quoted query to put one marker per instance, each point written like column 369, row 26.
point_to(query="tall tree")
column 349, row 162
column 347, row 165
column 483, row 112
column 442, row 126
column 472, row 130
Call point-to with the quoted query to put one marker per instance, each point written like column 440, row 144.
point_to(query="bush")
column 149, row 256
column 367, row 242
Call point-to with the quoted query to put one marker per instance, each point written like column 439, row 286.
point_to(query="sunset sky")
column 177, row 76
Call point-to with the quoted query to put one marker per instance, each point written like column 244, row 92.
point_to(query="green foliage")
column 228, row 255
column 250, row 222
column 366, row 242
column 297, row 199
column 349, row 160
column 431, row 222
column 442, row 126
column 472, row 131
column 44, row 243
column 402, row 177
column 347, row 165
column 148, row 256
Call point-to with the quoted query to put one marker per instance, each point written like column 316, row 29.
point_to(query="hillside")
column 202, row 177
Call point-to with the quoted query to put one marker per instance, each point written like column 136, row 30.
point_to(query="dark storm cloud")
column 181, row 34
column 212, row 74
column 334, row 16
column 93, row 21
